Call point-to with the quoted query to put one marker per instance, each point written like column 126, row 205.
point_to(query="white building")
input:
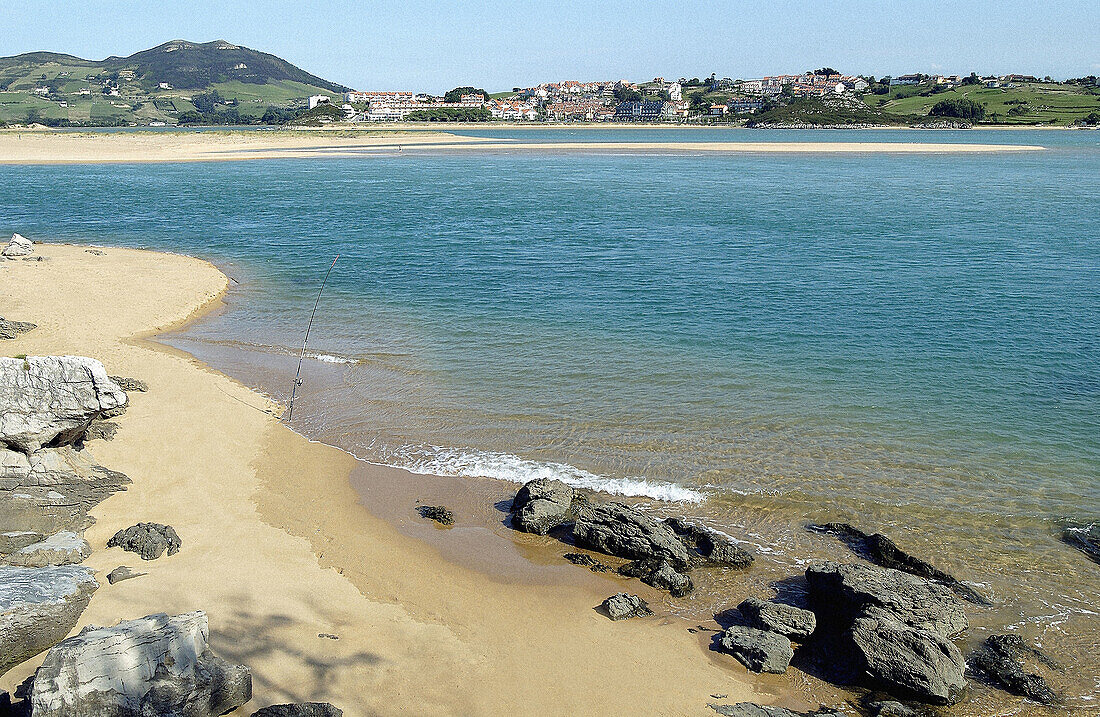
column 318, row 100
column 676, row 92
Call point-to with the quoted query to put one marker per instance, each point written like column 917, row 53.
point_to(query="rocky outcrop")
column 541, row 505
column 757, row 650
column 130, row 384
column 64, row 548
column 122, row 573
column 306, row 709
column 880, row 550
column 1086, row 539
column 751, row 709
column 155, row 665
column 51, row 400
column 11, row 329
column 659, row 574
column 438, row 513
column 1001, row 660
column 38, row 607
column 622, row 606
column 586, row 561
column 787, row 620
column 894, row 626
column 716, row 547
column 101, row 430
column 19, row 245
column 149, row 540
column 617, row 529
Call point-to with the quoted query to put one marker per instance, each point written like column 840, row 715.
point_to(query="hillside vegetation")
column 1024, row 104
column 827, row 112
column 152, row 86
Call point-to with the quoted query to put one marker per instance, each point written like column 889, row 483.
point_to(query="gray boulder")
column 1084, row 538
column 18, row 539
column 130, row 384
column 716, row 547
column 909, row 660
column 149, row 540
column 751, row 709
column 839, row 593
column 19, row 245
column 101, row 430
column 51, row 400
column 155, row 665
column 622, row 605
column 64, row 548
column 541, row 505
column 38, row 607
column 122, row 573
column 786, row 620
column 617, row 529
column 757, row 650
column 11, row 329
column 659, row 574
column 1002, row 658
column 305, row 709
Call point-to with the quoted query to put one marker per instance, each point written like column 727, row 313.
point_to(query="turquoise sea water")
column 902, row 339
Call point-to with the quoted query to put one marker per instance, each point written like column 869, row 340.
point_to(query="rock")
column 38, row 607
column 716, row 547
column 541, row 505
column 757, row 650
column 95, row 252
column 122, row 573
column 616, row 529
column 587, row 561
column 438, row 513
column 100, row 430
column 130, row 384
column 11, row 329
column 660, row 574
column 18, row 539
column 893, row 708
column 882, row 551
column 306, row 709
column 1000, row 659
column 751, row 709
column 155, row 665
column 909, row 660
column 64, row 548
column 149, row 540
column 622, row 605
column 786, row 620
column 1086, row 539
column 51, row 400
column 839, row 593
column 18, row 246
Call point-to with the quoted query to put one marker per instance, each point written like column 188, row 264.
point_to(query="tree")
column 456, row 94
column 958, row 107
column 973, row 79
column 627, row 94
column 826, row 71
column 205, row 102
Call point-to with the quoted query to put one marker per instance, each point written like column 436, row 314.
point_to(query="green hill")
column 1023, row 103
column 155, row 85
column 836, row 111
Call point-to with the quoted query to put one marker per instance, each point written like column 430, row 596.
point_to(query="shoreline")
column 50, row 147
column 278, row 550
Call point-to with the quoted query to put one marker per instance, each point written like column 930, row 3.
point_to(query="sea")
column 910, row 343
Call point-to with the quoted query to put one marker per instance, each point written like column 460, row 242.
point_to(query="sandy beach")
column 280, row 553
column 61, row 147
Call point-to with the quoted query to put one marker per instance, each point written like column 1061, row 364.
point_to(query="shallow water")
column 911, row 343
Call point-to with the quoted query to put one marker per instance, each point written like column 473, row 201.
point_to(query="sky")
column 434, row 46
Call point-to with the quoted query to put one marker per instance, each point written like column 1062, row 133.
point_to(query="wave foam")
column 504, row 466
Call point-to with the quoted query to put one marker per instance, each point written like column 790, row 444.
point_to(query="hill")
column 839, row 111
column 1022, row 103
column 155, row 85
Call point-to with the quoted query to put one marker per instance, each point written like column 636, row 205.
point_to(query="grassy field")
column 1041, row 103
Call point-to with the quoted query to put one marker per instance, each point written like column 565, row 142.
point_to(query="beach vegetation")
column 960, row 108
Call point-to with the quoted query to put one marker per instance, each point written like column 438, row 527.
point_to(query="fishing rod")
column 302, row 356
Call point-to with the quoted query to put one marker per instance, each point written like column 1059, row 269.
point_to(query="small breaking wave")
column 507, row 467
column 330, row 358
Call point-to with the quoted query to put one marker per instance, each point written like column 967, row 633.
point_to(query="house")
column 905, row 80
column 675, row 92
column 165, row 86
column 717, row 110
column 856, row 84
column 992, row 82
column 744, row 105
column 645, row 111
column 318, row 100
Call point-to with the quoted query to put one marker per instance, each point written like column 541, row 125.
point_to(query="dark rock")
column 839, row 593
column 757, row 650
column 438, row 513
column 1086, row 539
column 909, row 660
column 94, row 252
column 541, row 505
column 156, row 665
column 306, row 709
column 617, row 529
column 122, row 573
column 659, row 574
column 751, row 709
column 714, row 546
column 587, row 561
column 100, row 430
column 893, row 708
column 1000, row 659
column 130, row 384
column 786, row 620
column 11, row 329
column 38, row 607
column 622, row 605
column 149, row 540
column 880, row 550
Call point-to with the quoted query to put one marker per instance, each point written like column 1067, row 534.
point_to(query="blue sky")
column 420, row 45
